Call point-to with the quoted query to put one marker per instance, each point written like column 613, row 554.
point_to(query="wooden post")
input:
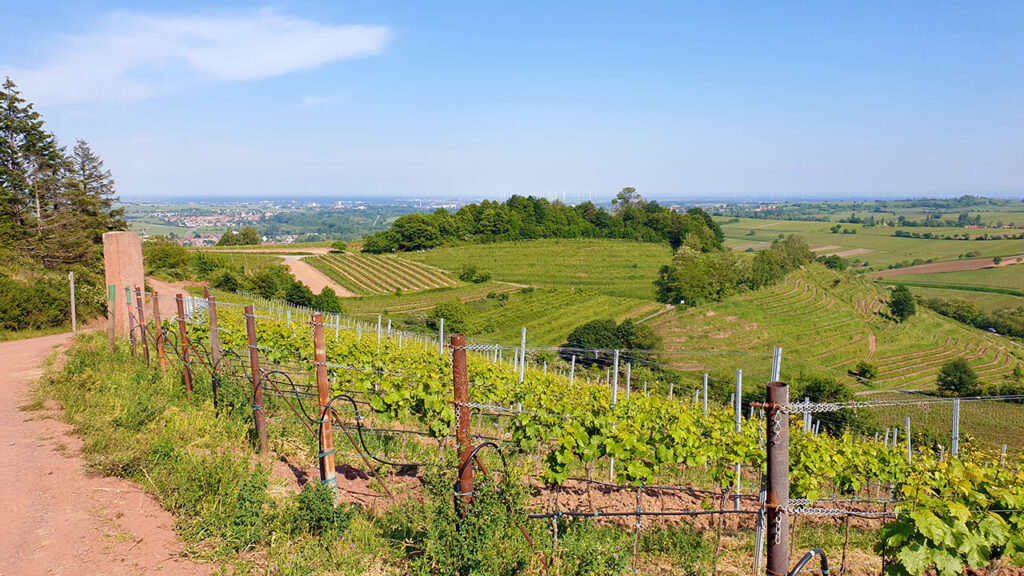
column 777, row 443
column 323, row 389
column 254, row 363
column 184, row 345
column 74, row 315
column 142, row 323
column 111, row 342
column 460, row 378
column 157, row 325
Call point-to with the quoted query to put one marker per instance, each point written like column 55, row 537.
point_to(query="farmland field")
column 1009, row 278
column 608, row 267
column 885, row 249
column 985, row 301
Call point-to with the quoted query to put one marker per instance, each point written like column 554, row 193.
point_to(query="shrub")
column 470, row 273
column 440, row 542
column 865, row 370
column 455, row 314
column 316, row 512
column 38, row 303
column 226, row 280
column 339, row 245
column 328, row 301
column 957, row 378
column 299, row 294
column 901, row 303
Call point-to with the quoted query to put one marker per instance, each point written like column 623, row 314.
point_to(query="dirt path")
column 54, row 517
column 656, row 314
column 950, row 266
column 166, row 293
column 315, row 279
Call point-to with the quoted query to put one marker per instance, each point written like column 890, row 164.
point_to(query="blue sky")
column 727, row 100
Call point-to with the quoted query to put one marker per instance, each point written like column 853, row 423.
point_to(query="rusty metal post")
column 111, row 328
column 460, row 377
column 142, row 323
column 777, row 442
column 183, row 345
column 254, row 363
column 158, row 327
column 323, row 389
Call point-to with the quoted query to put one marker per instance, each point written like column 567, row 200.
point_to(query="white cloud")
column 131, row 57
column 310, row 101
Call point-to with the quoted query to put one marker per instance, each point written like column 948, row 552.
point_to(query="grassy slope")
column 886, row 248
column 826, row 326
column 610, row 267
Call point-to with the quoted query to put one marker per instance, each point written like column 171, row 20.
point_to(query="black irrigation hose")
column 479, row 447
column 329, row 408
column 807, row 558
column 266, row 378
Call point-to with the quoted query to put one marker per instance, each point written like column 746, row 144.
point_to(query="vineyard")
column 369, row 275
column 828, row 322
column 941, row 510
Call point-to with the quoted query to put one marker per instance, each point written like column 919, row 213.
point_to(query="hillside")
column 827, row 322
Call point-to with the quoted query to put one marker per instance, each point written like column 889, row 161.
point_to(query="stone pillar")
column 122, row 260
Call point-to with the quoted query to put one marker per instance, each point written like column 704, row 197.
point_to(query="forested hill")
column 528, row 218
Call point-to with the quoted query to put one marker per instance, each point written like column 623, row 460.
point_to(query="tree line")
column 696, row 277
column 55, row 206
column 527, row 217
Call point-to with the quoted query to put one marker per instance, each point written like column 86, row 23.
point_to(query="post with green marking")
column 74, row 315
column 111, row 290
column 128, row 311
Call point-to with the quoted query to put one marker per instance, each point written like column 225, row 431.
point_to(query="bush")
column 865, row 370
column 328, row 301
column 456, row 316
column 470, row 273
column 485, row 541
column 160, row 253
column 957, row 378
column 901, row 303
column 299, row 294
column 226, row 280
column 339, row 246
column 39, row 303
column 316, row 512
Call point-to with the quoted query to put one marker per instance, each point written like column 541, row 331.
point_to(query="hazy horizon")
column 468, row 100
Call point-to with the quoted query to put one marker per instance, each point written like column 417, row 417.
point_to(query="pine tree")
column 91, row 193
column 54, row 208
column 30, row 163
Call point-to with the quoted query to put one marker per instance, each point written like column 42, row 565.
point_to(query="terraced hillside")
column 368, row 275
column 827, row 322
